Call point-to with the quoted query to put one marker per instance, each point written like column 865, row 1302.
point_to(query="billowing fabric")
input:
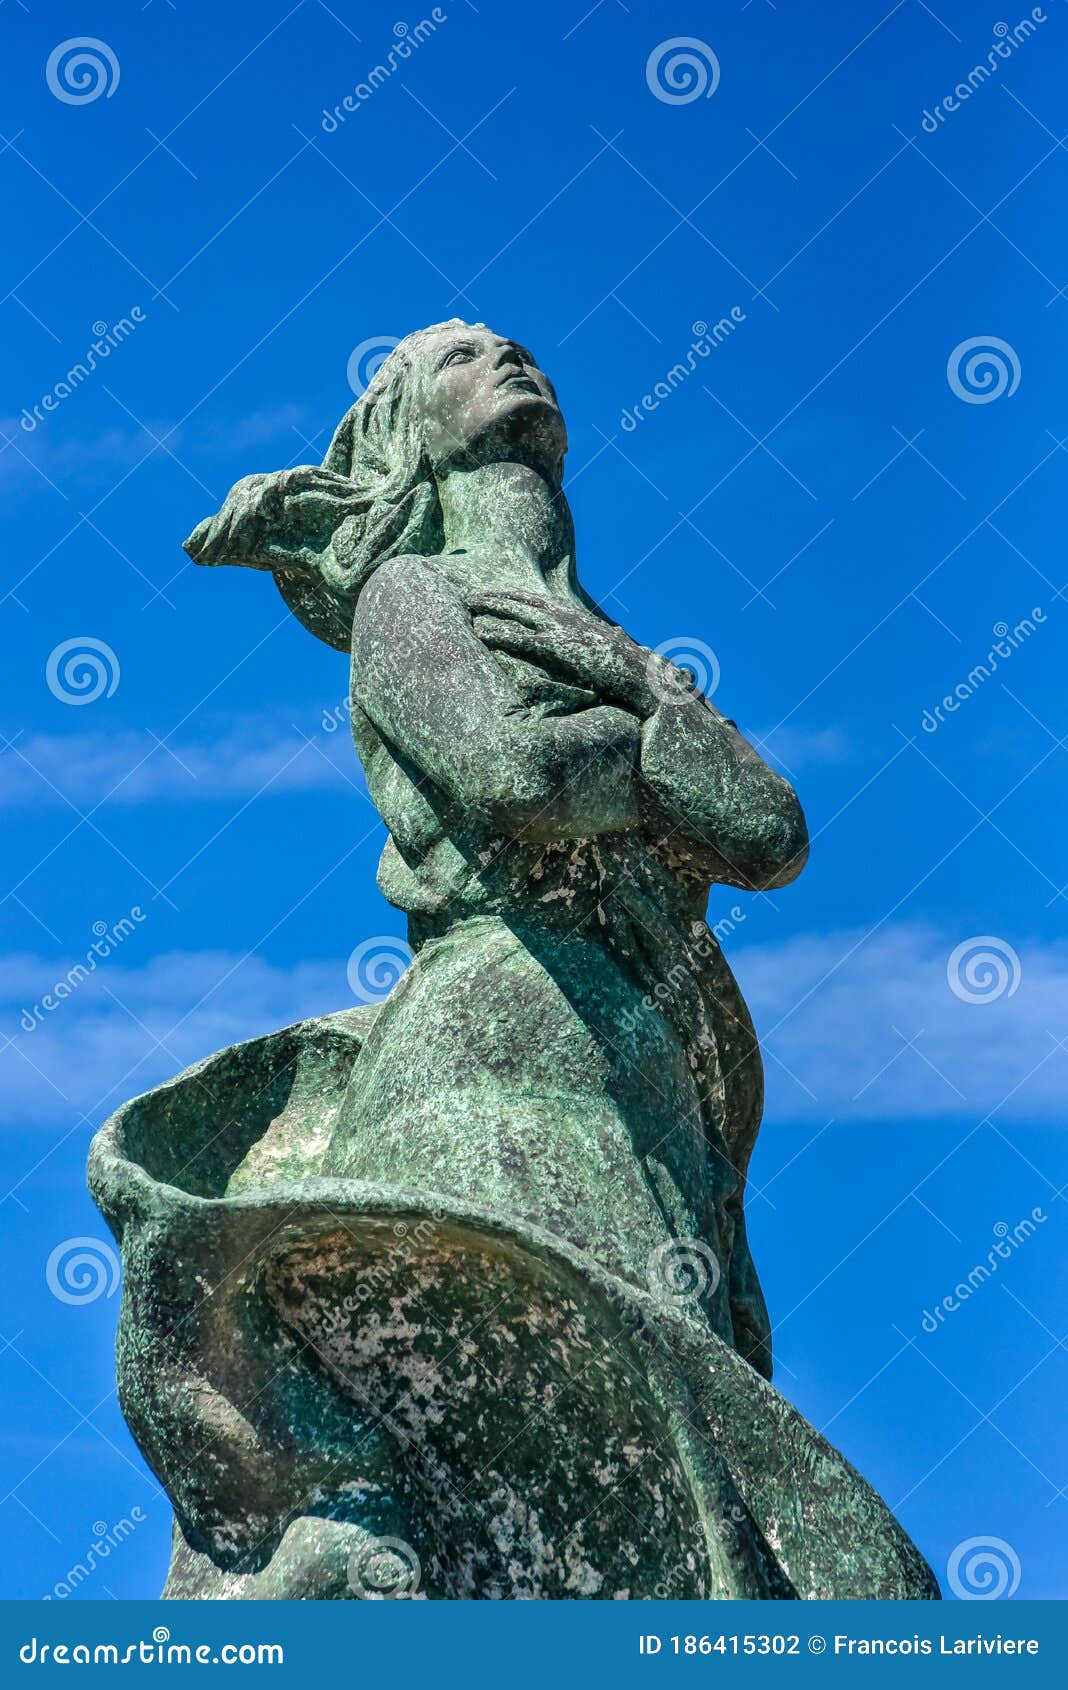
column 331, row 1376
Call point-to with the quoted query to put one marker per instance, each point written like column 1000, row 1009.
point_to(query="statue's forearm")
column 565, row 777
column 705, row 782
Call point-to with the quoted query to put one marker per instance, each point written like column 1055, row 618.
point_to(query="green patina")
column 451, row 1296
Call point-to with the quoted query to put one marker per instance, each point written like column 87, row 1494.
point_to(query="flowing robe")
column 457, row 1285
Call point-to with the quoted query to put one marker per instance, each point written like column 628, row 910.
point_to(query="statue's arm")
column 709, row 785
column 699, row 782
column 433, row 690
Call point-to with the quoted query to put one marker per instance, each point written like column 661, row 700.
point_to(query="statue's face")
column 484, row 398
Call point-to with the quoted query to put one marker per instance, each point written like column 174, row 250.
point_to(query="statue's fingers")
column 505, row 635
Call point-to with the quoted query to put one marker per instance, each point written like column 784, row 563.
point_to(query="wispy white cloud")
column 134, row 768
column 804, row 748
column 63, row 451
column 258, row 427
column 834, row 1012
column 125, row 1028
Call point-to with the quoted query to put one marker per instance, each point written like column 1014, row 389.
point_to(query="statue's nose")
column 509, row 353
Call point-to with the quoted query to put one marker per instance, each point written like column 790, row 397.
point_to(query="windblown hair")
column 324, row 531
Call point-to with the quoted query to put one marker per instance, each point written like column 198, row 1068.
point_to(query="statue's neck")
column 512, row 515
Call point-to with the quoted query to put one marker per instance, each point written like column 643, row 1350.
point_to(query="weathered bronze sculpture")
column 451, row 1295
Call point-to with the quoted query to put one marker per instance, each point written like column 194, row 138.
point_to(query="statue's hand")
column 570, row 641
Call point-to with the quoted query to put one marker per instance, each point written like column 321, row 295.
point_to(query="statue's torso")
column 557, row 1048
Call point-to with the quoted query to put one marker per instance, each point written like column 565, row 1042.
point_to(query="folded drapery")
column 331, row 1375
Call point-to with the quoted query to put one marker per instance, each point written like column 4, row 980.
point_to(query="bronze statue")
column 451, row 1295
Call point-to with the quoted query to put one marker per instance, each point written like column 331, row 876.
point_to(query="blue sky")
column 829, row 503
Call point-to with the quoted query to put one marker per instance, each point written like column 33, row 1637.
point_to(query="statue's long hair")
column 374, row 498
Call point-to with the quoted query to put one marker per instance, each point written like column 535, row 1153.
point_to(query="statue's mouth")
column 526, row 383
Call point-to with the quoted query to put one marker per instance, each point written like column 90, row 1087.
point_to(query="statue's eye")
column 458, row 355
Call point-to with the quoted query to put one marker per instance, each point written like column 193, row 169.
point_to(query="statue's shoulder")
column 406, row 588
